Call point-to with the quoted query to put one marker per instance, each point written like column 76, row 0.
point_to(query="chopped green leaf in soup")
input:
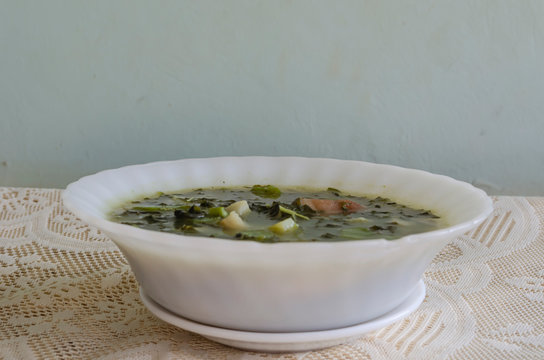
column 268, row 214
column 257, row 235
column 266, row 191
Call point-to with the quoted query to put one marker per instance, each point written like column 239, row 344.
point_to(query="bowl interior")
column 94, row 196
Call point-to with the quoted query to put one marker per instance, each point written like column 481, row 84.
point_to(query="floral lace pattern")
column 66, row 292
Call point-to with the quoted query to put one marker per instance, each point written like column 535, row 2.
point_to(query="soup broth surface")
column 266, row 213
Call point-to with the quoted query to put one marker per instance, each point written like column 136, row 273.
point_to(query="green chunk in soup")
column 266, row 213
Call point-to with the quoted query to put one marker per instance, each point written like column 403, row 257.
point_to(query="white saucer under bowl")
column 293, row 341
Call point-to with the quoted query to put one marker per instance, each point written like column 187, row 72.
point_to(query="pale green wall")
column 454, row 87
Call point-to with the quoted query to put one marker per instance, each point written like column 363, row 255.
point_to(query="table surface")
column 66, row 292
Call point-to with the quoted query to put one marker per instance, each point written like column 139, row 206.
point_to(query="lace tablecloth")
column 66, row 292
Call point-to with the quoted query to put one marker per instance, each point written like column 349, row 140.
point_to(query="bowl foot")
column 292, row 341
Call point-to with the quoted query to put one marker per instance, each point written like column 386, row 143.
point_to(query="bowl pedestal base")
column 292, row 341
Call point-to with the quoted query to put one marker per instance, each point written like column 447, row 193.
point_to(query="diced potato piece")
column 284, row 226
column 241, row 207
column 233, row 222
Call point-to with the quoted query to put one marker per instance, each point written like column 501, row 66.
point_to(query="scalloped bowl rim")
column 71, row 202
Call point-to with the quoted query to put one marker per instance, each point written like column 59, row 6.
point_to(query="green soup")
column 269, row 214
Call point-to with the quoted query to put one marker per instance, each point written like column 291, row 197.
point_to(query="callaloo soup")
column 266, row 213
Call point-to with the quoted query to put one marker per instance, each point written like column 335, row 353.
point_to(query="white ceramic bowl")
column 281, row 287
